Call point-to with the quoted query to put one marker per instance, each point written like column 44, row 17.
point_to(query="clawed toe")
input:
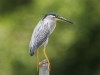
column 48, row 64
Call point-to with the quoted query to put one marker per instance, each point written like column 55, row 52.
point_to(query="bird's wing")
column 39, row 36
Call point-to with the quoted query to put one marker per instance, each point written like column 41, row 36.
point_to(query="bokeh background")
column 73, row 49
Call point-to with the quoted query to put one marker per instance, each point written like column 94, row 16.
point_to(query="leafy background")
column 72, row 49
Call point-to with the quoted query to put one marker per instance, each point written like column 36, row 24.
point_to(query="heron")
column 41, row 35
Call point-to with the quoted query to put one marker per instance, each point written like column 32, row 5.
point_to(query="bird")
column 41, row 33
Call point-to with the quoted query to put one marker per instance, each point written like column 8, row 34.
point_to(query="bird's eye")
column 56, row 16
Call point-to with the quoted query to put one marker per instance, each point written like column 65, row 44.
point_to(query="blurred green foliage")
column 72, row 49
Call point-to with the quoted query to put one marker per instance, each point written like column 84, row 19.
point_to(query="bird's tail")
column 31, row 51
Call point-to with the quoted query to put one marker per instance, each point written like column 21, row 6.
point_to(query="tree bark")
column 43, row 68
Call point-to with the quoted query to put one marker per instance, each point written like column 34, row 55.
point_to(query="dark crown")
column 54, row 14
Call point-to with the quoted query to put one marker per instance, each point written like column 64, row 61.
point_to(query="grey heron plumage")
column 42, row 31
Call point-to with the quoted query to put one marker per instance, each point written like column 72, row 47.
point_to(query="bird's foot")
column 38, row 64
column 47, row 61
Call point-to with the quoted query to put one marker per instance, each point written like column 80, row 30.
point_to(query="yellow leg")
column 46, row 59
column 38, row 59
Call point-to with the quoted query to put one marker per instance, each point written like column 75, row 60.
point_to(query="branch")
column 43, row 68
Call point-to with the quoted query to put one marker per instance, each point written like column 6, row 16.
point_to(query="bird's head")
column 54, row 16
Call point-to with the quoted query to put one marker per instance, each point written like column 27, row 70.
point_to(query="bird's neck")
column 49, row 21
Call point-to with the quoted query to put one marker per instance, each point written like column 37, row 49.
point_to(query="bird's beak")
column 63, row 19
